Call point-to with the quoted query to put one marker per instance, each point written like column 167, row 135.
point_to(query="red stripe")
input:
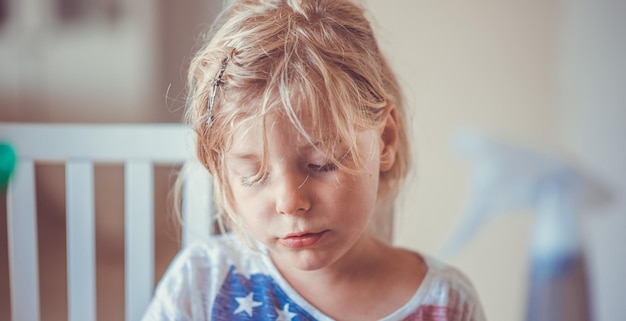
column 430, row 313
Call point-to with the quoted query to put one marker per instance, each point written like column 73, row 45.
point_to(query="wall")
column 486, row 65
column 549, row 74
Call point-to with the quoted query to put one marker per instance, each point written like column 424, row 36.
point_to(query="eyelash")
column 250, row 181
column 329, row 167
column 253, row 180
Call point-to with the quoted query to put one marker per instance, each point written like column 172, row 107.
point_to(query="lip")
column 302, row 239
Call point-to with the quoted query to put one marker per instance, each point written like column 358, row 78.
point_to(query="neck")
column 382, row 221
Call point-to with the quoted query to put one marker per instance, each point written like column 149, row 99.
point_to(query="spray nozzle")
column 509, row 177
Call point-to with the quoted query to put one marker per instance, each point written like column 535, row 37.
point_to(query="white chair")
column 138, row 147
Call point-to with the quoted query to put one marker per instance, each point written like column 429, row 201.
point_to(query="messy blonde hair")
column 317, row 58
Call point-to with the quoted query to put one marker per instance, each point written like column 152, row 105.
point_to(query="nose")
column 292, row 194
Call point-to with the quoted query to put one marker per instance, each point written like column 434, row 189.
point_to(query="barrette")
column 216, row 84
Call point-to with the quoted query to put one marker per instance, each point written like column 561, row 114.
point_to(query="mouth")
column 301, row 240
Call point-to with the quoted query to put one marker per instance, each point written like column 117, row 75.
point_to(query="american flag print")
column 254, row 297
column 430, row 313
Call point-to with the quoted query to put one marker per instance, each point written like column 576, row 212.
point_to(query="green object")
column 7, row 163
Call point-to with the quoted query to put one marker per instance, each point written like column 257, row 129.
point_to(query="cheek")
column 359, row 193
column 249, row 204
column 240, row 195
column 244, row 201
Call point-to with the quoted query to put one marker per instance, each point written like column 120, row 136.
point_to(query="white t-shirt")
column 224, row 280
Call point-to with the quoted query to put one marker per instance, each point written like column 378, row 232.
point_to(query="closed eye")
column 323, row 168
column 253, row 179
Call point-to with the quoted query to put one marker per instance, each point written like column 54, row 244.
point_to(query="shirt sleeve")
column 180, row 293
column 463, row 301
column 450, row 295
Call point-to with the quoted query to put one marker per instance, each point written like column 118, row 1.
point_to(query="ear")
column 389, row 139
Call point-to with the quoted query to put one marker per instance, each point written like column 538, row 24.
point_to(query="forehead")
column 306, row 121
column 253, row 133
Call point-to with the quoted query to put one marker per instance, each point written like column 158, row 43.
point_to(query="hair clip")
column 211, row 100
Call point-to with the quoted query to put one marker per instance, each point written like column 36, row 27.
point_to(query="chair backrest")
column 138, row 147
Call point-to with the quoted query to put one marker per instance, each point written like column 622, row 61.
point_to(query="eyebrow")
column 308, row 146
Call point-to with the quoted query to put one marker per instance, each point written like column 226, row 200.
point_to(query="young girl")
column 300, row 121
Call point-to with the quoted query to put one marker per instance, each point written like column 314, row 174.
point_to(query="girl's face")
column 307, row 212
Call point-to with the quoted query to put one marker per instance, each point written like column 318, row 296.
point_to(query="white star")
column 246, row 304
column 285, row 315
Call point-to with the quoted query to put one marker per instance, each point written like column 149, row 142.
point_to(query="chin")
column 306, row 260
column 309, row 267
column 313, row 261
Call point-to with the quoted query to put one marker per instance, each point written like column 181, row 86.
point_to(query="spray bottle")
column 508, row 177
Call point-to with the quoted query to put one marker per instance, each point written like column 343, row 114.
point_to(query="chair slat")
column 22, row 239
column 197, row 206
column 81, row 259
column 163, row 143
column 139, row 146
column 139, row 234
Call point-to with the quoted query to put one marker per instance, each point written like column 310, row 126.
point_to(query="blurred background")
column 547, row 74
column 94, row 61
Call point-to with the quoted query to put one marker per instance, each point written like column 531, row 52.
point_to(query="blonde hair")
column 313, row 57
